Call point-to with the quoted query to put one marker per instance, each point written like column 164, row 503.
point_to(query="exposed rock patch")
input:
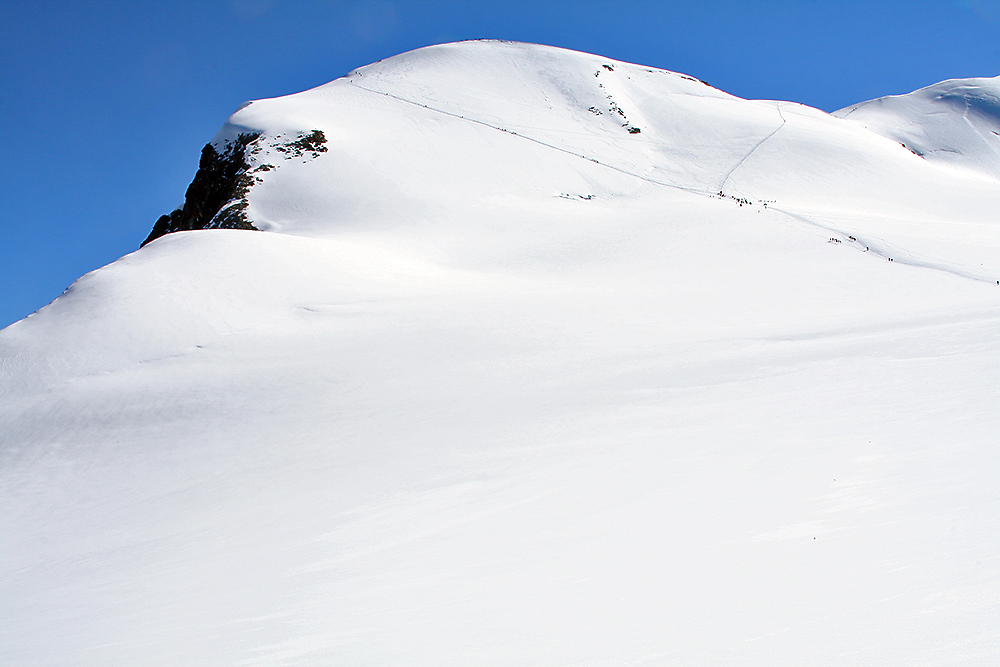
column 217, row 197
column 310, row 143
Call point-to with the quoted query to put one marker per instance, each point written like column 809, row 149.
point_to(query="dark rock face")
column 216, row 197
column 306, row 143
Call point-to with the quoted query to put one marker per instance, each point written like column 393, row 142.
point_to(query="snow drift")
column 548, row 359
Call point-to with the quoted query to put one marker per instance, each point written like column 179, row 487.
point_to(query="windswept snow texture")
column 954, row 122
column 516, row 385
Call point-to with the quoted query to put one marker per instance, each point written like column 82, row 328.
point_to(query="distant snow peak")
column 955, row 122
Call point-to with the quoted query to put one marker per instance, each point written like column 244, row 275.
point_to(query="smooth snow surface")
column 516, row 386
column 955, row 122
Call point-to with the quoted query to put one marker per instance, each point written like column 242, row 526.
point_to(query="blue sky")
column 105, row 105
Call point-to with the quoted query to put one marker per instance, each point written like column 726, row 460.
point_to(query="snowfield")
column 503, row 382
column 925, row 121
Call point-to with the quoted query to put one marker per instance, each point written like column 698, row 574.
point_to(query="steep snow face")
column 955, row 122
column 506, row 382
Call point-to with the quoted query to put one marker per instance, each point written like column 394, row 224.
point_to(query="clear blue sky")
column 105, row 105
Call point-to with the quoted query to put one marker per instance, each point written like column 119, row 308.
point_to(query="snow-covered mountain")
column 955, row 122
column 541, row 358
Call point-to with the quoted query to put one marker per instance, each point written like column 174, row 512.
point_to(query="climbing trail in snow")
column 722, row 185
column 538, row 141
column 877, row 247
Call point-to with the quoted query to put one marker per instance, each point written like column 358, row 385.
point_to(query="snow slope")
column 955, row 122
column 507, row 384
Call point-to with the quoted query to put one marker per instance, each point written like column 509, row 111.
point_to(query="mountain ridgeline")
column 217, row 197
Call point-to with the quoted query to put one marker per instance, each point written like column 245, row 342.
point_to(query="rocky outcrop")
column 216, row 197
